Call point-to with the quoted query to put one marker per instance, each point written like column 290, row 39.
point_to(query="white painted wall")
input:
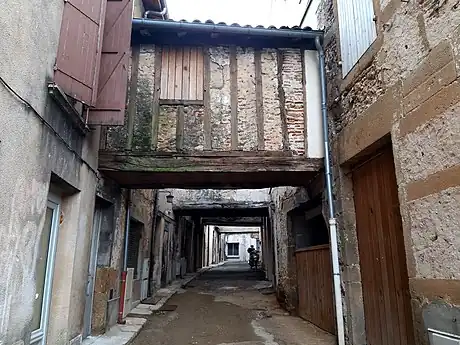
column 315, row 136
column 244, row 240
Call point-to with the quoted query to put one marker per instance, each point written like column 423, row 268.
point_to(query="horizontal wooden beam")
column 218, row 170
column 222, row 163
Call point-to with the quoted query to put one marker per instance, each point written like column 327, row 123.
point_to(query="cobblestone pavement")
column 228, row 305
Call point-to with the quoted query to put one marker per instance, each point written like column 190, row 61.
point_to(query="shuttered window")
column 357, row 30
column 181, row 74
column 79, row 51
column 113, row 76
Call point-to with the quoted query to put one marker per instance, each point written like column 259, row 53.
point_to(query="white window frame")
column 38, row 336
column 357, row 29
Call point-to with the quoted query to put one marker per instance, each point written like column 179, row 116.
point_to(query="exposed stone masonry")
column 247, row 119
column 220, row 98
column 273, row 135
column 289, row 128
column 293, row 90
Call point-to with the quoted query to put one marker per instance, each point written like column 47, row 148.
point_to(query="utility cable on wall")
column 44, row 122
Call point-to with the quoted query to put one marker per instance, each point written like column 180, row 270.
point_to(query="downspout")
column 332, row 220
column 125, row 260
column 154, row 227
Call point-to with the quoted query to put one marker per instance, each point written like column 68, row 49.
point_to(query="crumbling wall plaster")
column 144, row 98
column 167, row 122
column 273, row 136
column 193, row 128
column 283, row 200
column 220, row 98
column 247, row 126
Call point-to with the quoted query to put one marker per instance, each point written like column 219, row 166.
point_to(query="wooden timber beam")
column 208, row 170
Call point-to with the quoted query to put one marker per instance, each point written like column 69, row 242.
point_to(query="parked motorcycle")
column 254, row 259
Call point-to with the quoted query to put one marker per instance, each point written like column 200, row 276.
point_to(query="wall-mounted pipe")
column 332, row 220
column 121, row 305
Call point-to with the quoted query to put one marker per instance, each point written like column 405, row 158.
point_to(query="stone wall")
column 114, row 202
column 405, row 88
column 283, row 200
column 278, row 123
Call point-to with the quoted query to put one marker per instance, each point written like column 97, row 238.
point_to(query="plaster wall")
column 34, row 147
column 244, row 240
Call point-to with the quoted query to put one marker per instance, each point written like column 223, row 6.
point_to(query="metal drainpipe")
column 332, row 220
column 140, row 23
column 125, row 260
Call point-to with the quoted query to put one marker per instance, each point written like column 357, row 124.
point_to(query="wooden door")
column 381, row 251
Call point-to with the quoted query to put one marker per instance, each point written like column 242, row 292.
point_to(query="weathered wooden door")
column 381, row 250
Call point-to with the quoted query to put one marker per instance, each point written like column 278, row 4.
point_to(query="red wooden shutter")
column 79, row 51
column 113, row 76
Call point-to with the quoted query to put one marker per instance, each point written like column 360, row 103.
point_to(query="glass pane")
column 40, row 270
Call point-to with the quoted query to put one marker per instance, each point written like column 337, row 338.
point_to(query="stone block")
column 445, row 99
column 439, row 56
column 433, row 146
column 374, row 124
column 430, row 86
column 435, row 221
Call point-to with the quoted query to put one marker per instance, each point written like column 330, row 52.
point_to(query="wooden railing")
column 314, row 277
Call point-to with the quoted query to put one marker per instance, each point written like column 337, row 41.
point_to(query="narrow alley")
column 147, row 145
column 228, row 305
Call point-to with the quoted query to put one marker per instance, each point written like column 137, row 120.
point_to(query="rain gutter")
column 162, row 25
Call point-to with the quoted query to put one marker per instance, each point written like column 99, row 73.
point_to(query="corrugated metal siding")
column 113, row 76
column 357, row 30
column 78, row 58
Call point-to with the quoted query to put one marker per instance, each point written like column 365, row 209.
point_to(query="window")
column 357, row 30
column 233, row 249
column 44, row 270
column 181, row 75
